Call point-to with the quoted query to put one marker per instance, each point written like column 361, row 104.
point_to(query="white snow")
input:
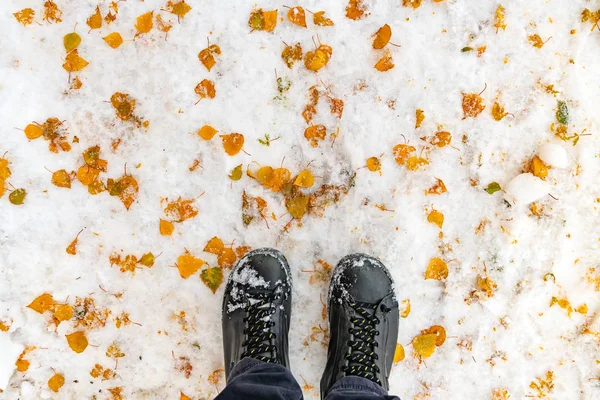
column 504, row 341
column 10, row 351
column 525, row 188
column 554, row 155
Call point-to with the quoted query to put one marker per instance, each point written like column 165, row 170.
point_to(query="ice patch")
column 525, row 189
column 554, row 155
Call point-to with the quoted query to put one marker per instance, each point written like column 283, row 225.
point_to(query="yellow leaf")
column 297, row 206
column 188, row 265
column 61, row 178
column 436, row 269
column 25, row 16
column 438, row 331
column 382, row 37
column 420, row 116
column 114, row 39
column 166, row 227
column 305, row 179
column 499, row 19
column 74, row 63
column 424, row 344
column 71, row 41
column 214, row 246
column 385, row 63
column 207, row 132
column 64, row 312
column 536, row 41
column 56, row 382
column 399, row 353
column 414, row 163
column 2, row 187
column 270, row 18
column 205, row 89
column 33, row 131
column 233, row 143
column 236, row 173
column 180, row 9
column 320, row 19
column 498, row 111
column 373, row 164
column 227, row 258
column 402, row 152
column 87, row 174
column 144, row 23
column 206, row 56
column 147, row 260
column 442, row 139
column 42, row 303
column 538, row 168
column 95, row 20
column 77, row 341
column 316, row 60
column 212, row 278
column 406, row 311
column 297, row 16
column 436, row 217
column 472, row 105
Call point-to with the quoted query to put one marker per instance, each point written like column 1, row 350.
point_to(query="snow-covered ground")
column 521, row 262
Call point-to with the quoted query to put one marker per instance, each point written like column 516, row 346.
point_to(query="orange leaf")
column 305, row 179
column 270, row 18
column 166, row 228
column 297, row 16
column 207, row 132
column 320, row 19
column 412, row 3
column 114, row 40
column 56, row 382
column 33, row 131
column 61, row 178
column 144, row 23
column 233, row 143
column 385, row 63
column 420, row 116
column 188, row 265
column 51, row 12
column 95, row 20
column 126, row 187
column 316, row 60
column 402, row 152
column 356, row 9
column 74, row 63
column 382, row 37
column 72, row 248
column 436, row 269
column 314, row 133
column 181, row 210
column 436, row 217
column 439, row 332
column 472, row 105
column 373, row 164
column 414, row 163
column 42, row 303
column 25, row 16
column 63, row 312
column 206, row 56
column 77, row 341
column 227, row 258
column 291, row 54
column 180, row 9
column 205, row 89
column 538, row 168
column 438, row 188
column 442, row 139
column 399, row 353
column 214, row 246
column 183, row 396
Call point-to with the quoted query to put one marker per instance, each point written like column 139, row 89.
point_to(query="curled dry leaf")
column 419, row 117
column 382, row 37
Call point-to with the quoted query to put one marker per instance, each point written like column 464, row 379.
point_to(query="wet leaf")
column 180, row 8
column 562, row 113
column 77, row 341
column 438, row 331
column 382, row 37
column 373, row 164
column 292, row 54
column 42, row 303
column 96, row 187
column 56, row 382
column 436, row 269
column 316, row 60
column 214, row 246
column 207, row 132
column 314, row 134
column 61, row 178
column 95, row 20
column 51, row 12
column 356, row 10
column 305, row 179
column 144, row 23
column 71, row 41
column 166, row 228
column 399, row 353
column 297, row 16
column 205, row 89
column 33, row 131
column 233, row 143
column 181, row 210
column 207, row 57
column 424, row 344
column 419, row 118
column 297, row 206
column 472, row 105
column 126, row 187
column 114, row 40
column 17, row 196
column 402, row 153
column 227, row 258
column 25, row 16
column 538, row 168
column 498, row 111
column 87, row 174
column 236, row 173
column 493, row 188
column 74, row 63
column 414, row 163
column 436, row 217
column 147, row 260
column 188, row 265
column 320, row 19
column 212, row 278
column 438, row 188
column 441, row 139
column 385, row 63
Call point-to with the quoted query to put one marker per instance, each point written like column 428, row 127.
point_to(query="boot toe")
column 262, row 268
column 365, row 278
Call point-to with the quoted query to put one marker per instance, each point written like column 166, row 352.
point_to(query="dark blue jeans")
column 256, row 380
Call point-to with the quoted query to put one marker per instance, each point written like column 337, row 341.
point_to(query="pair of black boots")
column 363, row 316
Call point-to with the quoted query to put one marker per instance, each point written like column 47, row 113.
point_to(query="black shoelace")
column 259, row 327
column 362, row 356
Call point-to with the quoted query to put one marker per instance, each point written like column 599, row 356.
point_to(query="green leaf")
column 236, row 173
column 465, row 49
column 212, row 278
column 17, row 197
column 267, row 141
column 493, row 188
column 562, row 113
column 71, row 41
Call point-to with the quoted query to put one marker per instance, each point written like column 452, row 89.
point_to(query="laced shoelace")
column 362, row 356
column 259, row 326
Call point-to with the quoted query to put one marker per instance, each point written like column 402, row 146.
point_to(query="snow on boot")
column 363, row 320
column 257, row 309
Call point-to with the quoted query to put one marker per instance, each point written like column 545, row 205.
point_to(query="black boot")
column 257, row 309
column 363, row 321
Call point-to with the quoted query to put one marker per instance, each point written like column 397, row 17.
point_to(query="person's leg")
column 363, row 320
column 253, row 379
column 256, row 321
